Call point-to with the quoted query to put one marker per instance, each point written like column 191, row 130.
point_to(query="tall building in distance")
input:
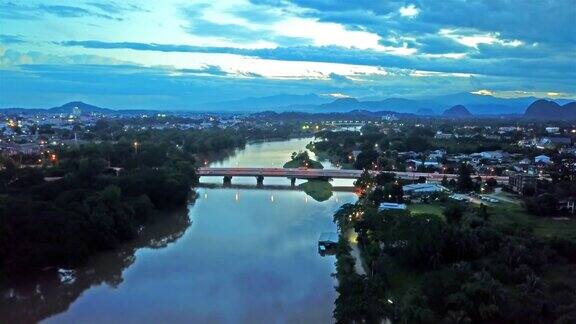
column 76, row 113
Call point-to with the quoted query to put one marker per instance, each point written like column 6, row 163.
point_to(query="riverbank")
column 423, row 265
column 248, row 248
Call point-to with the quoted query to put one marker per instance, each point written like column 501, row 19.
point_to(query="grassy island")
column 302, row 160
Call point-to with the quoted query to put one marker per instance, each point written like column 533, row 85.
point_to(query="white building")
column 391, row 206
column 423, row 188
column 542, row 159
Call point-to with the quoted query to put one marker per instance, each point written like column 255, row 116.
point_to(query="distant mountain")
column 457, row 111
column 84, row 107
column 282, row 101
column 488, row 105
column 307, row 116
column 399, row 105
column 550, row 110
column 426, row 112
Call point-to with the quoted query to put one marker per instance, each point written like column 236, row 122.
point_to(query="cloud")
column 254, row 47
column 11, row 39
column 336, row 95
column 409, row 11
column 550, row 68
column 341, row 79
column 165, row 88
column 206, row 70
column 10, row 10
column 116, row 8
column 12, row 59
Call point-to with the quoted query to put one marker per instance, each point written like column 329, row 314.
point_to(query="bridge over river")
column 303, row 173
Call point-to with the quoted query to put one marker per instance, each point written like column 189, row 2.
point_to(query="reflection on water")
column 251, row 260
column 250, row 256
column 33, row 299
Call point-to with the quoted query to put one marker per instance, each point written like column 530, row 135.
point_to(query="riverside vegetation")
column 458, row 267
column 91, row 207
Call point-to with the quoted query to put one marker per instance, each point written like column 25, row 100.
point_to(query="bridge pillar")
column 293, row 182
column 227, row 180
column 260, row 180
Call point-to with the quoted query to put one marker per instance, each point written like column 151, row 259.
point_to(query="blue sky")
column 179, row 54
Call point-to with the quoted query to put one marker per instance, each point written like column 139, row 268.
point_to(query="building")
column 440, row 135
column 552, row 130
column 76, row 113
column 9, row 148
column 459, row 197
column 542, row 159
column 391, row 206
column 327, row 242
column 568, row 204
column 423, row 189
column 489, row 155
column 436, row 155
column 553, row 142
column 417, row 163
column 519, row 182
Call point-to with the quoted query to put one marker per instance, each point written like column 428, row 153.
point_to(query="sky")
column 173, row 54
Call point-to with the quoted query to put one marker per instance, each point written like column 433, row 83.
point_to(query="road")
column 303, row 173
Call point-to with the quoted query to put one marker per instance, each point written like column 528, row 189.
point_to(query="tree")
column 366, row 159
column 454, row 213
column 483, row 212
column 365, row 182
column 383, row 178
column 464, row 182
column 491, row 182
column 444, row 181
column 89, row 168
column 544, row 205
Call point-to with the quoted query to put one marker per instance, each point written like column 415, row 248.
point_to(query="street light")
column 136, row 147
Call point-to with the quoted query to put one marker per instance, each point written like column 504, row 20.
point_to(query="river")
column 234, row 256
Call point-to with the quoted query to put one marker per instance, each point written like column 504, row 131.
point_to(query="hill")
column 84, row 107
column 550, row 110
column 282, row 101
column 457, row 111
column 399, row 105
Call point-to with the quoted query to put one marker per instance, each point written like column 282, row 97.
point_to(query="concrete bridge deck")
column 303, row 173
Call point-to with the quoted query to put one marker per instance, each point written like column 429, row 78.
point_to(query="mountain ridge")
column 550, row 110
column 458, row 111
column 539, row 109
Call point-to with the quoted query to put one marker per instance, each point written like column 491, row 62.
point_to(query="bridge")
column 303, row 173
